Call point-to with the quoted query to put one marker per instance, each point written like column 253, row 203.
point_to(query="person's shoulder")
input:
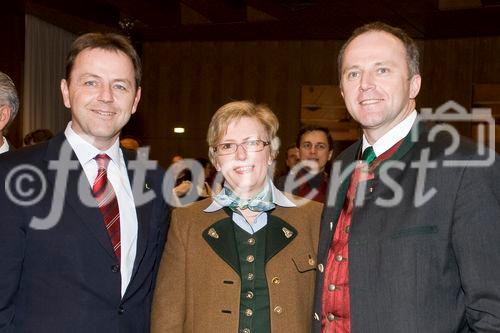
column 301, row 202
column 303, row 209
column 452, row 147
column 29, row 154
column 193, row 210
column 193, row 219
column 349, row 152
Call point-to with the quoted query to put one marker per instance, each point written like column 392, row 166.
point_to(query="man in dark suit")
column 83, row 225
column 410, row 237
column 9, row 105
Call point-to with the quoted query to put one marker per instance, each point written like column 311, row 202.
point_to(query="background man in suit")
column 68, row 265
column 9, row 105
column 407, row 243
column 314, row 145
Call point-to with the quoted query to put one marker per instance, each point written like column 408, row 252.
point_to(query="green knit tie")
column 369, row 155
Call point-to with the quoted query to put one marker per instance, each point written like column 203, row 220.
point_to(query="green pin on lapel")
column 147, row 187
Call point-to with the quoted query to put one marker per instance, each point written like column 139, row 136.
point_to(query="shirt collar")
column 86, row 152
column 393, row 136
column 5, row 146
column 279, row 199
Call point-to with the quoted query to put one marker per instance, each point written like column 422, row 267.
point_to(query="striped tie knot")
column 102, row 161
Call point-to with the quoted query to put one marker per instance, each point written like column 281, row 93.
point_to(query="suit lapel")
column 279, row 234
column 332, row 210
column 90, row 216
column 220, row 237
column 404, row 148
column 331, row 213
column 143, row 212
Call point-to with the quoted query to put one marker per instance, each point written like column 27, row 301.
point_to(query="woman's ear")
column 216, row 164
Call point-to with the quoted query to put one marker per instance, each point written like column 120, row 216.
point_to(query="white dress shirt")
column 393, row 136
column 118, row 176
column 5, row 146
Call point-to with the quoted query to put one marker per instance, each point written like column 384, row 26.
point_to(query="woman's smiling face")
column 245, row 172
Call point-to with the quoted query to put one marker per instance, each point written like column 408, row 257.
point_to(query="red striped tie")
column 107, row 202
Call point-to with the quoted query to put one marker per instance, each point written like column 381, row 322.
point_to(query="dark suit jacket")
column 67, row 279
column 425, row 267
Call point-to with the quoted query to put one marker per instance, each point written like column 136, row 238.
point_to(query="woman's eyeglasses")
column 249, row 146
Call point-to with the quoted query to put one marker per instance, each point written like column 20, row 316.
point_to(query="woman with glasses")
column 245, row 259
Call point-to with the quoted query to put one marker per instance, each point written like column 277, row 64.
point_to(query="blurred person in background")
column 315, row 148
column 37, row 136
column 9, row 106
column 291, row 159
column 130, row 142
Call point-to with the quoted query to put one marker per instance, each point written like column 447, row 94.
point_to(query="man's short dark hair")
column 105, row 41
column 313, row 128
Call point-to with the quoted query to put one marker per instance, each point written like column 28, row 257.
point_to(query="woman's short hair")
column 234, row 111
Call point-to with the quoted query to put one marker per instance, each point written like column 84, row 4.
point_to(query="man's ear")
column 330, row 155
column 65, row 93
column 4, row 116
column 415, row 82
column 137, row 98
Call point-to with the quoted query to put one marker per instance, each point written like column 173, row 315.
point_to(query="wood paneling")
column 185, row 82
column 324, row 106
column 447, row 72
column 486, row 60
column 487, row 96
column 447, row 75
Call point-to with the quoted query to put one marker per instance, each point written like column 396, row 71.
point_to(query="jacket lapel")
column 331, row 213
column 279, row 234
column 220, row 237
column 143, row 211
column 58, row 151
column 337, row 188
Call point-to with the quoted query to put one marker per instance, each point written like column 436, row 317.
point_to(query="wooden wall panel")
column 185, row 82
column 486, row 60
column 447, row 75
column 446, row 72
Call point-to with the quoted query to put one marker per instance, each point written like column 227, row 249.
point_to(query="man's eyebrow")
column 122, row 80
column 384, row 63
column 349, row 68
column 87, row 75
